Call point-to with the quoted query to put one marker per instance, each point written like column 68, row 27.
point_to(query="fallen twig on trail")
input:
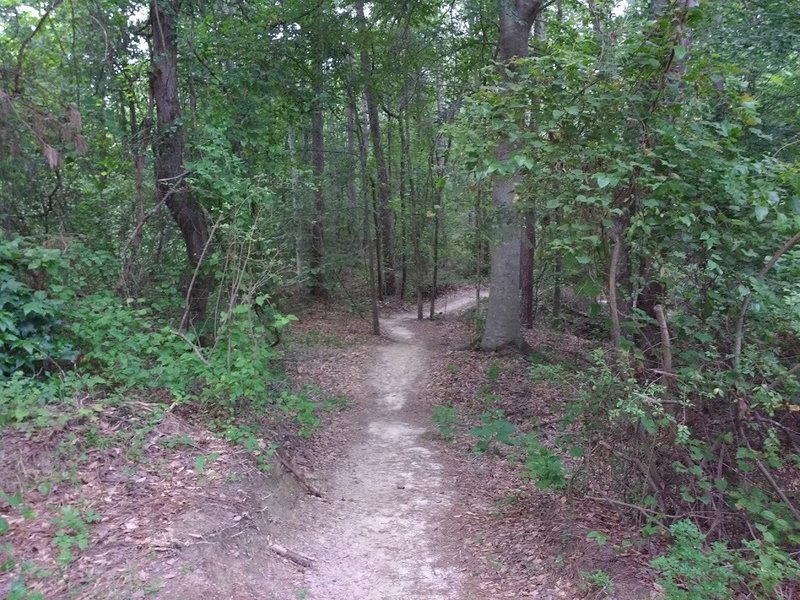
column 300, row 479
column 295, row 557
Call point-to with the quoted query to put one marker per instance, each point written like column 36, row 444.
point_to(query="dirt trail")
column 376, row 537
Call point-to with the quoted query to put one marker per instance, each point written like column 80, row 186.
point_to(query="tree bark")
column 296, row 212
column 367, row 221
column 502, row 320
column 318, row 167
column 170, row 176
column 528, row 241
column 138, row 149
column 384, row 191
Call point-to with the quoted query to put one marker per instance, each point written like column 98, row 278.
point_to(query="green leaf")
column 598, row 537
column 603, row 180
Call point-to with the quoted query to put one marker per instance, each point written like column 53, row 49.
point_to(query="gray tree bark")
column 502, row 320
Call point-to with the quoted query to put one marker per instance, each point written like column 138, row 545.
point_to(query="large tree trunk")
column 384, row 191
column 502, row 321
column 171, row 185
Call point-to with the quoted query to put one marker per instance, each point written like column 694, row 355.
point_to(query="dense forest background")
column 176, row 177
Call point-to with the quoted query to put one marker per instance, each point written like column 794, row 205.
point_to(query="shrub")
column 29, row 317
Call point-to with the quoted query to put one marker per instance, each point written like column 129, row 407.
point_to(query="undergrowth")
column 710, row 497
column 72, row 353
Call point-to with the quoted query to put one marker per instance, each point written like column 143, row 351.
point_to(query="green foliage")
column 19, row 591
column 494, row 428
column 72, row 532
column 692, row 570
column 24, row 399
column 541, row 464
column 303, row 410
column 29, row 318
column 493, row 371
column 201, row 461
column 446, row 420
column 598, row 581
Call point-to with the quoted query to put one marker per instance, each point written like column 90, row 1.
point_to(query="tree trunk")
column 318, row 167
column 502, row 320
column 367, row 221
column 171, row 186
column 402, row 190
column 528, row 241
column 529, row 227
column 384, row 191
column 137, row 146
column 298, row 218
column 416, row 229
column 435, row 282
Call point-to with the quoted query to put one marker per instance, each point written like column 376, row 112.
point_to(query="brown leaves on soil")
column 516, row 541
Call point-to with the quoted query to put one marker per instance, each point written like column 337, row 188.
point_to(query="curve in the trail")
column 376, row 539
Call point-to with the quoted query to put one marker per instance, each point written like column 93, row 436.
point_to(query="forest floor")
column 384, row 501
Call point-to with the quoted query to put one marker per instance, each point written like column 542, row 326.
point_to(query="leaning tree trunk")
column 502, row 320
column 170, row 175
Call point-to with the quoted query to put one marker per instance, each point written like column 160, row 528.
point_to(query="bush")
column 29, row 317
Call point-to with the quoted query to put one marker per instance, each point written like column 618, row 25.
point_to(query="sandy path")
column 375, row 538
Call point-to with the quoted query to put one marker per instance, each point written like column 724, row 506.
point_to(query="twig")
column 185, row 317
column 739, row 334
column 27, row 40
column 666, row 345
column 645, row 511
column 194, row 347
column 645, row 471
column 295, row 557
column 768, row 476
column 616, row 334
column 301, row 480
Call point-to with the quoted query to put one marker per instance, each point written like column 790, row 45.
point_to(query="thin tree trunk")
column 378, row 249
column 528, row 241
column 373, row 288
column 402, row 192
column 389, row 286
column 416, row 230
column 317, row 224
column 169, row 171
column 478, row 250
column 528, row 238
column 297, row 217
column 137, row 145
column 435, row 281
